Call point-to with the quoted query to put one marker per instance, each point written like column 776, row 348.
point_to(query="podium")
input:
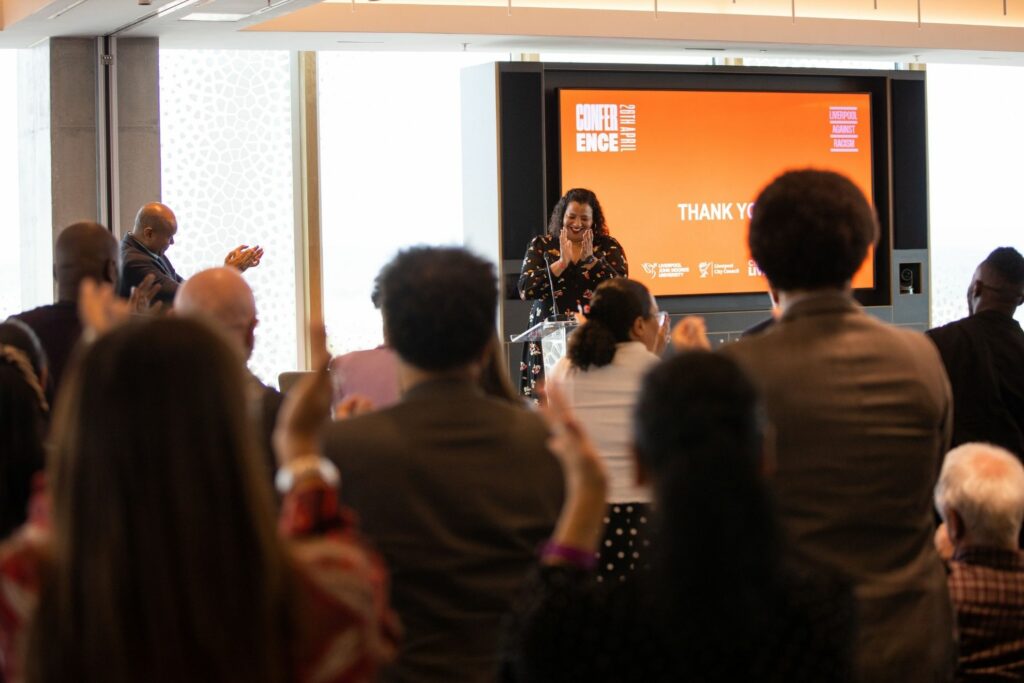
column 553, row 337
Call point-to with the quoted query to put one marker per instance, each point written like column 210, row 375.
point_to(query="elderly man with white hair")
column 980, row 495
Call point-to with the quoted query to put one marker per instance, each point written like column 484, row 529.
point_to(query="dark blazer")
column 58, row 328
column 862, row 417
column 456, row 489
column 984, row 357
column 137, row 262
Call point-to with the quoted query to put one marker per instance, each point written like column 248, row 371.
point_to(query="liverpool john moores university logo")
column 605, row 127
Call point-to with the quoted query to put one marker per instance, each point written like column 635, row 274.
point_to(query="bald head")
column 83, row 250
column 155, row 227
column 980, row 494
column 223, row 297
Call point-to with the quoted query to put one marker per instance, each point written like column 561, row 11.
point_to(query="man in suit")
column 224, row 298
column 984, row 356
column 455, row 488
column 862, row 416
column 143, row 252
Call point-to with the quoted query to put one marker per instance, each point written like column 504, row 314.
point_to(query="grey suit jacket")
column 456, row 489
column 862, row 414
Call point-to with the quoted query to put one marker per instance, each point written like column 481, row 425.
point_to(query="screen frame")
column 558, row 77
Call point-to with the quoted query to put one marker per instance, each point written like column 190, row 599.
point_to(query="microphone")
column 554, row 317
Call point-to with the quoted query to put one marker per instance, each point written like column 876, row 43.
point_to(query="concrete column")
column 89, row 138
column 137, row 146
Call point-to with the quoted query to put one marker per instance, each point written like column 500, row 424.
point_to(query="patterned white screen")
column 226, row 153
column 974, row 153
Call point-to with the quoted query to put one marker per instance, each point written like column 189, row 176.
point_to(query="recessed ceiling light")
column 213, row 16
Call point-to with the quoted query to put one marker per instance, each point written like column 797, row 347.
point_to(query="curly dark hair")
column 581, row 196
column 616, row 305
column 438, row 305
column 811, row 229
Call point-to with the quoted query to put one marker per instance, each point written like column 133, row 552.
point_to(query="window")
column 226, row 155
column 974, row 175
column 390, row 172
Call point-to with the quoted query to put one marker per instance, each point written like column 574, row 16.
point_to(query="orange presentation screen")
column 677, row 171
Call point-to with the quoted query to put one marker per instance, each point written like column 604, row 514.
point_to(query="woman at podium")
column 569, row 261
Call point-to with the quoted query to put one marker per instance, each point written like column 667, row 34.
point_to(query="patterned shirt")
column 351, row 632
column 987, row 587
column 573, row 290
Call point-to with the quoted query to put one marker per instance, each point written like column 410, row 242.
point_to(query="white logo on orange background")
column 605, row 127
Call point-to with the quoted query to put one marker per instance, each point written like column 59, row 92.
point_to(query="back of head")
column 1003, row 272
column 82, row 250
column 984, row 485
column 615, row 306
column 439, row 305
column 697, row 431
column 23, row 411
column 165, row 562
column 224, row 298
column 811, row 230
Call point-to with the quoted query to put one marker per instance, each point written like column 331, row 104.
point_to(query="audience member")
column 980, row 495
column 83, row 250
column 24, row 412
column 143, row 253
column 454, row 487
column 160, row 560
column 862, row 415
column 600, row 377
column 984, row 356
column 721, row 603
column 369, row 374
column 223, row 297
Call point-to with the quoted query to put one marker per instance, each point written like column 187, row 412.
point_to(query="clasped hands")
column 565, row 248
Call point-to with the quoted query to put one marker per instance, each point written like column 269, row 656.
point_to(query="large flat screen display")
column 677, row 172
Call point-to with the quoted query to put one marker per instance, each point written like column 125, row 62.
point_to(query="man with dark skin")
column 83, row 250
column 984, row 356
column 143, row 253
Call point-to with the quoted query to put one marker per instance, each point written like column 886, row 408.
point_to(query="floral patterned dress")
column 573, row 290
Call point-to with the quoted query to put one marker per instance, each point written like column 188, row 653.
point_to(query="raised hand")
column 588, row 245
column 244, row 257
column 141, row 300
column 564, row 249
column 690, row 334
column 100, row 309
column 307, row 407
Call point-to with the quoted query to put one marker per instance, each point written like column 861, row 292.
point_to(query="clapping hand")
column 141, row 300
column 564, row 249
column 99, row 309
column 244, row 257
column 690, row 334
column 583, row 468
column 588, row 246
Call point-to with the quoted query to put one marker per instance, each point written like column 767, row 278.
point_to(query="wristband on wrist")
column 577, row 557
column 302, row 467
